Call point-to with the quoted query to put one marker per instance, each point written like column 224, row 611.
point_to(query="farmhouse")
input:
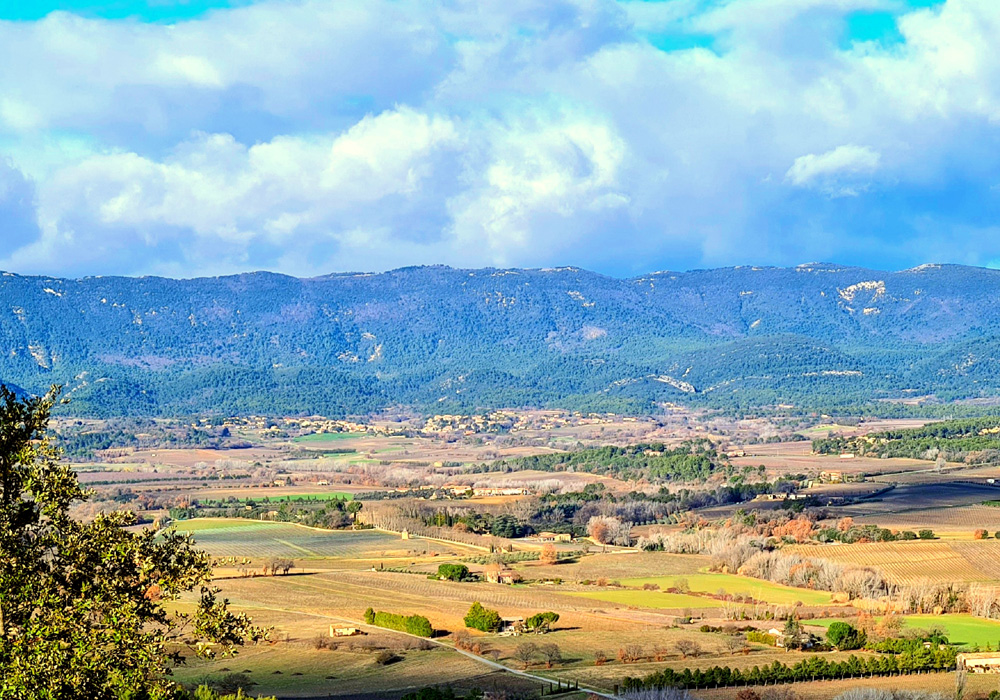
column 344, row 631
column 554, row 537
column 504, row 576
column 984, row 662
column 480, row 492
column 511, row 626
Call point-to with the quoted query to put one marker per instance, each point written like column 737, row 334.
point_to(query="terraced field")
column 939, row 560
column 958, row 522
column 255, row 539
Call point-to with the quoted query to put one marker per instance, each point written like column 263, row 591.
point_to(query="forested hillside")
column 442, row 339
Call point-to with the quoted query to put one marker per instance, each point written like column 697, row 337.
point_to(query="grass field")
column 738, row 585
column 255, row 539
column 961, row 629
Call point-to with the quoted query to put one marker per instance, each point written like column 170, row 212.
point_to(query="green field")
column 253, row 538
column 961, row 629
column 328, row 437
column 733, row 585
column 648, row 599
column 320, row 496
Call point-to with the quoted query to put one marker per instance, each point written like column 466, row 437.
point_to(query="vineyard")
column 960, row 521
column 254, row 539
column 491, row 595
column 906, row 561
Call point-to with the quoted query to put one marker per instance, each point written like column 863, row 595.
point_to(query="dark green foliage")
column 844, row 636
column 411, row 624
column 692, row 462
column 867, row 533
column 459, row 341
column 370, row 616
column 483, row 619
column 954, row 439
column 811, row 668
column 453, row 572
column 85, row 608
column 541, row 622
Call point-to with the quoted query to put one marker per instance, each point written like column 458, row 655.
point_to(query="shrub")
column 926, row 534
column 844, row 636
column 761, row 638
column 370, row 616
column 385, row 657
column 483, row 619
column 412, row 624
column 980, row 534
column 453, row 572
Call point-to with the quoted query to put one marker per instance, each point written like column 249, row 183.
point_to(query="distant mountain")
column 442, row 339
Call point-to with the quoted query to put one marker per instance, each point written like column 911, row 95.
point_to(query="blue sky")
column 192, row 137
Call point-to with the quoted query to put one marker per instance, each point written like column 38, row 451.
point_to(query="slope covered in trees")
column 459, row 340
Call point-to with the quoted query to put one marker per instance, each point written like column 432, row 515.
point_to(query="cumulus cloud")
column 314, row 135
column 843, row 171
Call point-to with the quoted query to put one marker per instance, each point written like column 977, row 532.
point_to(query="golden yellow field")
column 939, row 560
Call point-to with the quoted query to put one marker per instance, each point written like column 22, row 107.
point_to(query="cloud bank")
column 312, row 136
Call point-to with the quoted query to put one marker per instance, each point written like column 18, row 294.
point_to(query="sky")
column 204, row 137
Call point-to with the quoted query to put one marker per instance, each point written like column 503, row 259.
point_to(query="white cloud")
column 843, row 171
column 316, row 135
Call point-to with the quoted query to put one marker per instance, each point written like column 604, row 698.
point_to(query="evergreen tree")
column 84, row 607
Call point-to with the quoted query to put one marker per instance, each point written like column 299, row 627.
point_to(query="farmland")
column 263, row 540
column 939, row 560
column 965, row 630
column 609, row 597
column 729, row 584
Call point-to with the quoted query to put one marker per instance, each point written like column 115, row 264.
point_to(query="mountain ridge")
column 442, row 338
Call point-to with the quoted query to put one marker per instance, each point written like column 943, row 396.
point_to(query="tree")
column 353, row 507
column 844, row 636
column 980, row 534
column 541, row 622
column 548, row 555
column 453, row 572
column 525, row 652
column 483, row 619
column 688, row 647
column 926, row 534
column 598, row 530
column 85, row 608
column 370, row 616
column 735, row 643
column 551, row 653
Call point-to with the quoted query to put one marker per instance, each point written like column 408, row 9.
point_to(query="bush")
column 762, row 638
column 453, row 572
column 482, row 619
column 412, row 624
column 844, row 636
column 370, row 616
column 385, row 657
column 926, row 534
